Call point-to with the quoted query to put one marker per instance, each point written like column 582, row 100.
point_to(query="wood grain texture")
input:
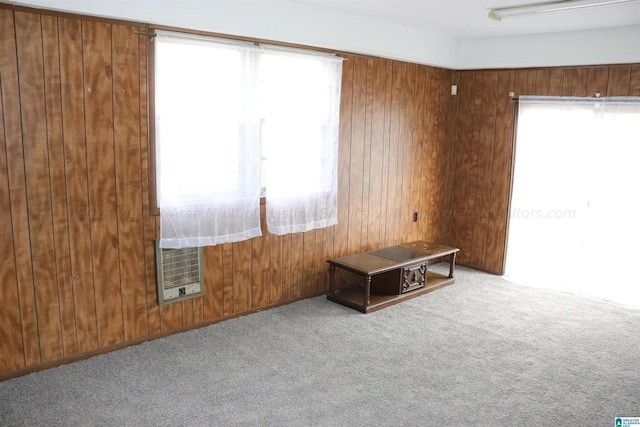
column 128, row 169
column 405, row 145
column 475, row 173
column 13, row 128
column 53, row 106
column 149, row 221
column 73, row 123
column 11, row 343
column 99, row 130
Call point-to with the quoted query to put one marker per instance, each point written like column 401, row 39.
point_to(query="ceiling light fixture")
column 555, row 6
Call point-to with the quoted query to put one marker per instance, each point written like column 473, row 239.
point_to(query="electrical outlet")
column 415, row 217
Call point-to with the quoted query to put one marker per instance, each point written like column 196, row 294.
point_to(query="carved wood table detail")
column 390, row 275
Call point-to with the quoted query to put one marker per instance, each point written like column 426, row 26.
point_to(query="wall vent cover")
column 179, row 272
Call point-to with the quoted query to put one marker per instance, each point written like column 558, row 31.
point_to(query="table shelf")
column 353, row 296
column 391, row 275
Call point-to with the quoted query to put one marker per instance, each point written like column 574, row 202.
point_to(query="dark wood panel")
column 366, row 172
column 597, row 81
column 356, row 159
column 542, row 82
column 241, row 276
column 149, row 221
column 485, row 165
column 286, row 266
column 260, row 266
column 387, row 72
column 99, row 131
column 126, row 102
column 463, row 162
column 344, row 159
column 634, row 83
column 396, row 130
column 11, row 346
column 297, row 268
column 580, row 82
column 18, row 196
column 52, row 84
column 73, row 123
column 308, row 284
column 227, row 275
column 213, row 283
column 555, row 82
column 407, row 203
column 378, row 99
column 619, row 80
column 275, row 268
column 500, row 174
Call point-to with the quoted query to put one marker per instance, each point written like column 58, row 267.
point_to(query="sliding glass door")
column 575, row 223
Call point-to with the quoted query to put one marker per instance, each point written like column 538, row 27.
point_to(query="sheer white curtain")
column 207, row 140
column 301, row 108
column 573, row 223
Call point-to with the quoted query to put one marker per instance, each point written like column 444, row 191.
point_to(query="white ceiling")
column 468, row 19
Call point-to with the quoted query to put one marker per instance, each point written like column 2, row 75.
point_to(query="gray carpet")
column 482, row 352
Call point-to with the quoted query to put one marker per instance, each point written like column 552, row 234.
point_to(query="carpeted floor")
column 482, row 352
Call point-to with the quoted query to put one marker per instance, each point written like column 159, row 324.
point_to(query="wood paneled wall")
column 77, row 275
column 484, row 146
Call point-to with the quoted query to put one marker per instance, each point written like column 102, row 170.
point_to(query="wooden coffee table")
column 391, row 275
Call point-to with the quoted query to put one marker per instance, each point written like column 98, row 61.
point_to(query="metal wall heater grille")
column 179, row 273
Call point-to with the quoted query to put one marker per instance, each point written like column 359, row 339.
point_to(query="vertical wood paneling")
column 213, row 283
column 275, row 265
column 52, row 84
column 555, row 82
column 484, row 165
column 286, row 267
column 99, row 131
column 241, row 276
column 597, row 81
column 461, row 219
column 386, row 148
column 357, row 153
column 580, row 82
column 13, row 128
column 126, row 108
column 618, row 81
column 472, row 202
column 366, row 169
column 399, row 72
column 76, row 232
column 11, row 344
column 407, row 205
column 227, row 274
column 634, row 83
column 500, row 173
column 308, row 263
column 374, row 172
column 73, row 124
column 344, row 159
column 296, row 266
column 149, row 222
column 497, row 108
column 260, row 266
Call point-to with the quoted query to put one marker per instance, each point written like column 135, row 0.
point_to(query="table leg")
column 452, row 264
column 367, row 291
column 332, row 278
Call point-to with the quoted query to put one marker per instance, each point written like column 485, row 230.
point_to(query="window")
column 574, row 196
column 234, row 120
